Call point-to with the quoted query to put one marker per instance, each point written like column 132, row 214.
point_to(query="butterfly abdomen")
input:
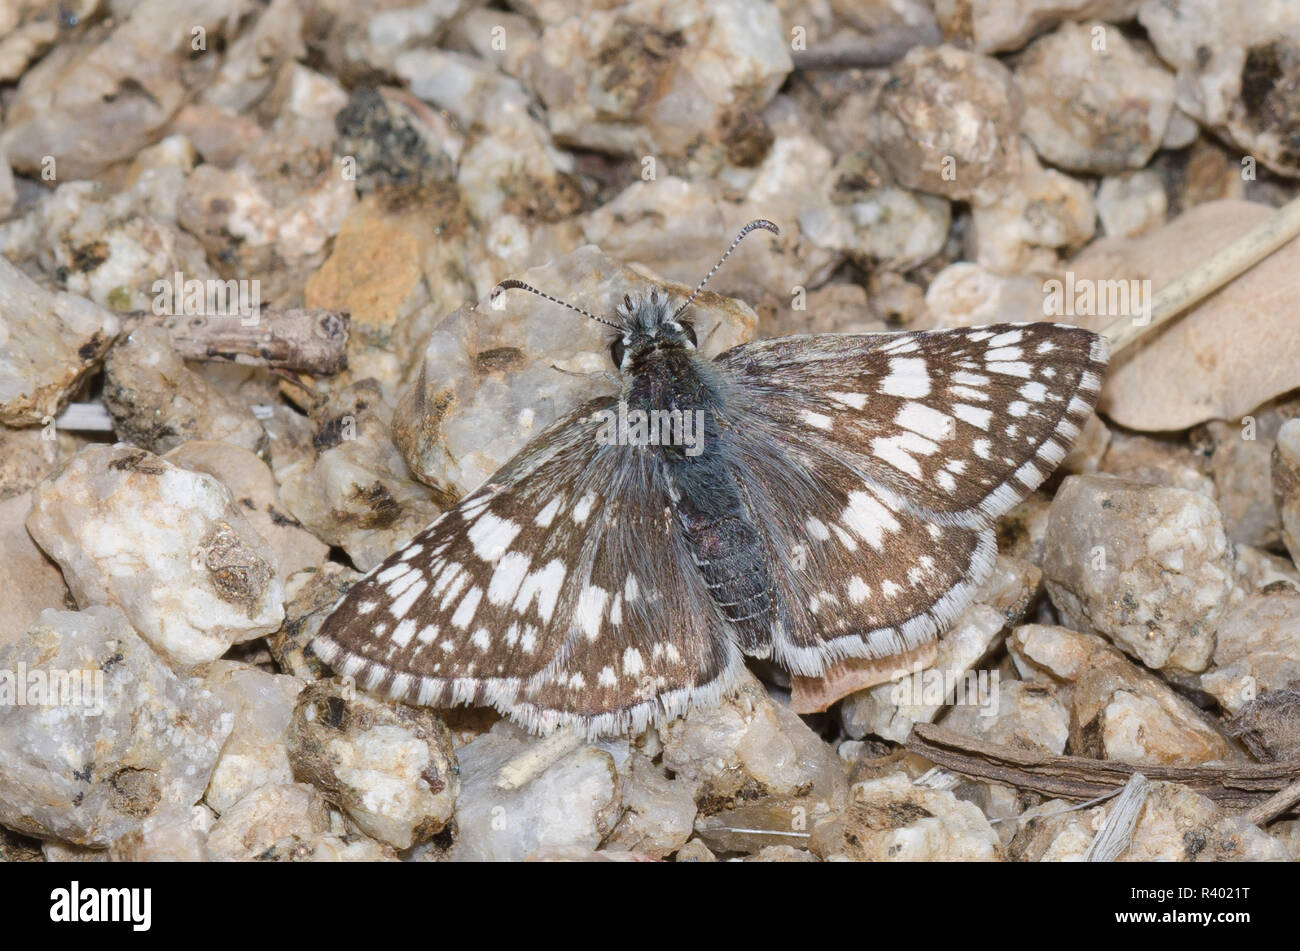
column 726, row 547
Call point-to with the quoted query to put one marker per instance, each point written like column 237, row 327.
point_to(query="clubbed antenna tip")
column 511, row 283
column 752, row 226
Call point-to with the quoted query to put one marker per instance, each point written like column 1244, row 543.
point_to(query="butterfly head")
column 648, row 325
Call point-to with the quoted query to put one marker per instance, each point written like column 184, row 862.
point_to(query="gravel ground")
column 247, row 350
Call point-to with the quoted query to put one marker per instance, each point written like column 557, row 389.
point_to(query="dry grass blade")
column 1220, row 268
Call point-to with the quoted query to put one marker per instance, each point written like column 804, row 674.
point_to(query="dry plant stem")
column 1275, row 805
column 880, row 49
column 1078, row 777
column 1211, row 274
column 309, row 341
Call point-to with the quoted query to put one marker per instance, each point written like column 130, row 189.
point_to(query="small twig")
column 1078, row 777
column 310, row 341
column 1210, row 275
column 538, row 758
column 1276, row 804
column 879, row 49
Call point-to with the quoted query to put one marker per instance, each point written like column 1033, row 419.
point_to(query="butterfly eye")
column 616, row 351
column 689, row 329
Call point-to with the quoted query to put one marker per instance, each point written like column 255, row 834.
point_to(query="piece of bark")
column 1080, row 778
column 295, row 338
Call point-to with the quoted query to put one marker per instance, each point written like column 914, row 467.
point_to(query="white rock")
column 649, row 78
column 890, row 820
column 1131, row 204
column 389, row 766
column 135, row 746
column 255, row 753
column 168, row 546
column 573, row 803
column 1148, row 567
column 48, row 343
column 748, row 740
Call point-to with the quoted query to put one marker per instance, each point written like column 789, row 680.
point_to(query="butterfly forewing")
column 557, row 592
column 954, row 423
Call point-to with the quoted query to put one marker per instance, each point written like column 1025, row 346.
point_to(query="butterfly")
column 834, row 498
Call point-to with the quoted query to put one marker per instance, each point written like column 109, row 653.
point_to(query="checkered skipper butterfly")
column 839, row 504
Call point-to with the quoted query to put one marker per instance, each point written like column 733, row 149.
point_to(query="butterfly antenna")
column 753, row 225
column 508, row 285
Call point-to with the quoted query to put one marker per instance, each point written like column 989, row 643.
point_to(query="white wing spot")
column 529, row 640
column 547, row 515
column 403, row 604
column 819, row 420
column 543, row 584
column 591, row 609
column 465, row 610
column 925, row 421
column 403, row 633
column 507, row 577
column 869, row 519
column 491, row 536
column 1034, row 391
column 977, row 417
column 817, row 529
column 583, row 508
column 908, row 377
